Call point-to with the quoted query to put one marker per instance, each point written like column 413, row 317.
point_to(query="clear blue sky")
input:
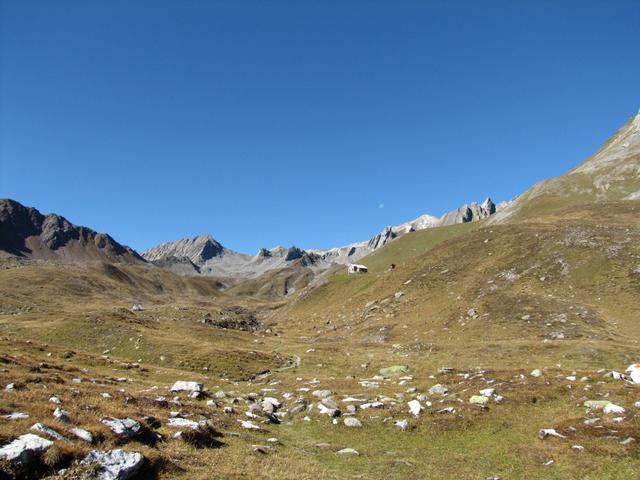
column 292, row 122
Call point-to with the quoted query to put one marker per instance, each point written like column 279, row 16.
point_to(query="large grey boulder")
column 115, row 464
column 24, row 449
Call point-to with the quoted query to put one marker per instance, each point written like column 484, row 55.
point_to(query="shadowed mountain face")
column 25, row 232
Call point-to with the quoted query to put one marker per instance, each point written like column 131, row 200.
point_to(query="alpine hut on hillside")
column 355, row 268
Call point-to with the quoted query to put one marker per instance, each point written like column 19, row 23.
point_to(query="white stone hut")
column 355, row 268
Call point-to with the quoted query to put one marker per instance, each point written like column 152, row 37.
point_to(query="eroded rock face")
column 25, row 449
column 115, row 464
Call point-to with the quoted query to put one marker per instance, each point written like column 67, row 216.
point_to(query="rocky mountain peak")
column 198, row 249
column 26, row 232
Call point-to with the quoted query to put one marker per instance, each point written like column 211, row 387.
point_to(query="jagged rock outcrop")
column 381, row 239
column 469, row 213
column 25, row 232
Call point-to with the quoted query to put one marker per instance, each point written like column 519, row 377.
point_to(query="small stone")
column 402, row 424
column 549, row 432
column 183, row 423
column 613, row 408
column 352, row 422
column 487, row 392
column 249, row 425
column 415, row 408
column 321, row 393
column 394, row 369
column 16, row 416
column 438, row 389
column 536, row 373
column 479, row 400
column 61, row 415
column 348, row 451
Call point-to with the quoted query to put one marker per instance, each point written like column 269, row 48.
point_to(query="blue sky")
column 293, row 122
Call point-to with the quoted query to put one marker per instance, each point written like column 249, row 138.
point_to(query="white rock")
column 115, row 464
column 438, row 389
column 16, row 416
column 578, row 448
column 415, row 408
column 61, row 415
column 56, row 400
column 402, row 424
column 123, row 426
column 82, row 434
column 348, row 451
column 613, row 408
column 487, row 392
column 321, row 393
column 183, row 423
column 549, row 432
column 249, row 425
column 42, row 428
column 536, row 373
column 182, row 386
column 25, row 448
column 634, row 372
column 352, row 422
column 9, row 387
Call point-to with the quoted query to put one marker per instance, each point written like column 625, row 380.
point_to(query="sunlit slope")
column 612, row 173
column 567, row 283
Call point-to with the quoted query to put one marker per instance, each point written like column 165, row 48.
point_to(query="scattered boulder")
column 394, row 369
column 82, row 434
column 249, row 425
column 352, row 422
column 61, row 415
column 348, row 451
column 321, row 393
column 613, row 408
column 596, row 404
column 50, row 432
column 123, row 426
column 634, row 372
column 479, row 400
column 415, row 408
column 402, row 424
column 183, row 386
column 438, row 390
column 549, row 432
column 183, row 423
column 115, row 464
column 24, row 449
column 16, row 416
column 536, row 373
